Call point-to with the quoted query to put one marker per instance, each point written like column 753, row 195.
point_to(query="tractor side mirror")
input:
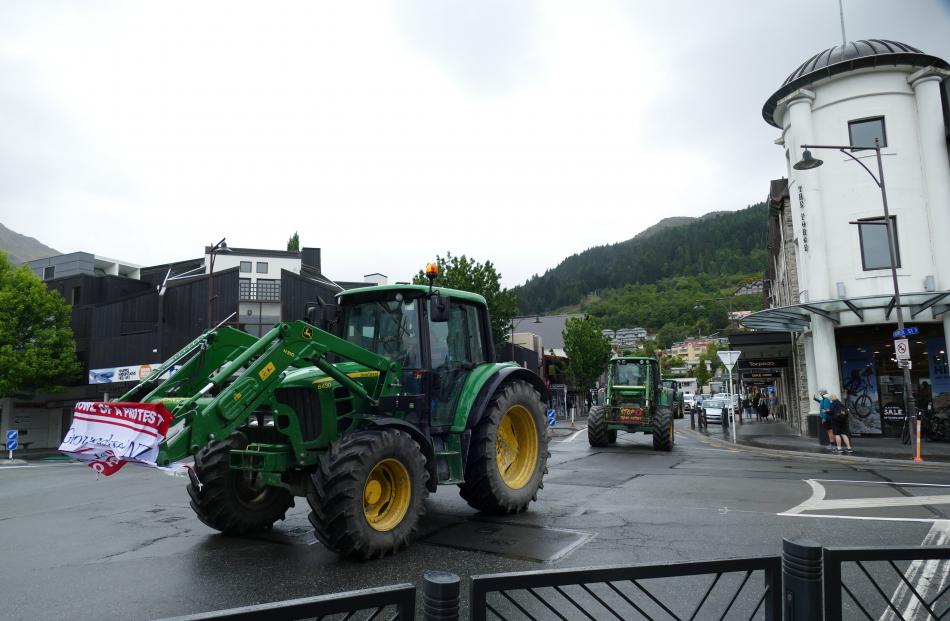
column 439, row 308
column 320, row 315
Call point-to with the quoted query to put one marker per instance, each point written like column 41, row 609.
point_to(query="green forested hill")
column 655, row 278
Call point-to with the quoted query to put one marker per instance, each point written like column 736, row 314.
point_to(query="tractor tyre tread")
column 663, row 429
column 336, row 493
column 484, row 488
column 214, row 499
column 597, row 432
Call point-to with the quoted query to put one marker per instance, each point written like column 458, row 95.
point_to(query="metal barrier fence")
column 633, row 592
column 875, row 571
column 807, row 582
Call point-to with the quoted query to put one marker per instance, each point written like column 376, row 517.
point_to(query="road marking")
column 574, row 435
column 884, row 483
column 928, row 577
column 817, row 502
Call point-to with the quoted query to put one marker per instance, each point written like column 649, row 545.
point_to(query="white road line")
column 574, row 435
column 884, row 483
column 928, row 577
column 829, row 516
column 817, row 502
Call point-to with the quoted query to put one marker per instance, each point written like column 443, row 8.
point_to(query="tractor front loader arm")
column 259, row 369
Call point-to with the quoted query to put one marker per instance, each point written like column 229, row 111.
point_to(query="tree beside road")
column 588, row 351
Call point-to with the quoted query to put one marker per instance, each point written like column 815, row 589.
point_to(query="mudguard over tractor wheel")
column 663, row 430
column 367, row 495
column 509, row 451
column 597, row 433
column 233, row 501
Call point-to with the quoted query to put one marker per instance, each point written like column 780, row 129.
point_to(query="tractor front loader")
column 397, row 395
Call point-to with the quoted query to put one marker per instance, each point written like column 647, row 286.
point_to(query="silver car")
column 713, row 409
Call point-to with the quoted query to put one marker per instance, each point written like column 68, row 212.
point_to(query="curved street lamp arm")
column 851, row 155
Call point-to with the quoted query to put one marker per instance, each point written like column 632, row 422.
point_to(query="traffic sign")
column 904, row 364
column 906, row 332
column 13, row 437
column 902, row 349
column 729, row 358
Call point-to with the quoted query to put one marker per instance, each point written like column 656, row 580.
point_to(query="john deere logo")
column 307, row 333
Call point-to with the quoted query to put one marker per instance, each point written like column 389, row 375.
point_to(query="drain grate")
column 532, row 543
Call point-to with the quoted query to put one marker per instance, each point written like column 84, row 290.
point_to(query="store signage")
column 905, row 332
column 801, row 210
column 134, row 373
column 763, row 363
column 902, row 349
column 760, row 375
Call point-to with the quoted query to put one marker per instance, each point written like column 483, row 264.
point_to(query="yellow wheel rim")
column 386, row 495
column 516, row 447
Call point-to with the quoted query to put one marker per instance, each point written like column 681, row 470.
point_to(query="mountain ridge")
column 21, row 248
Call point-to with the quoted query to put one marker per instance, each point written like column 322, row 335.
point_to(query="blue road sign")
column 13, row 437
column 552, row 418
column 11, row 445
column 906, row 332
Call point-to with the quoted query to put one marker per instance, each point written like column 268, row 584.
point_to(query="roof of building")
column 849, row 57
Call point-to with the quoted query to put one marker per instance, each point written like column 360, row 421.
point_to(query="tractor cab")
column 437, row 338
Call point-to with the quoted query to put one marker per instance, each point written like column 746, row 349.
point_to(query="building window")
column 49, row 272
column 245, row 267
column 261, row 267
column 74, row 299
column 874, row 252
column 865, row 131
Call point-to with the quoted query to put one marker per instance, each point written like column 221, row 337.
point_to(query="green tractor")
column 398, row 394
column 637, row 400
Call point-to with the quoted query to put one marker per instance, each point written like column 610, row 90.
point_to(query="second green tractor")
column 636, row 400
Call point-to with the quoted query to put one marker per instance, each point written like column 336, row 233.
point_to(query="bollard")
column 440, row 596
column 801, row 577
column 692, row 418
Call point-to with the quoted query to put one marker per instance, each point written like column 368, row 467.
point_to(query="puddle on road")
column 517, row 541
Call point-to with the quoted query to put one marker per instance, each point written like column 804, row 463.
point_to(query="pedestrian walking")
column 763, row 411
column 824, row 416
column 839, row 425
column 747, row 407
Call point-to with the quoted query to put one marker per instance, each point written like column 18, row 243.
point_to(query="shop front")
column 872, row 384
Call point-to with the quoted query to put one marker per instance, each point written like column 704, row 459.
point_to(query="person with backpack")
column 839, row 425
column 824, row 416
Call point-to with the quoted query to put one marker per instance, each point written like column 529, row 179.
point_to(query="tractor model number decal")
column 266, row 371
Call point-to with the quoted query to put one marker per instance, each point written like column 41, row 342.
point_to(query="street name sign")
column 902, row 349
column 906, row 332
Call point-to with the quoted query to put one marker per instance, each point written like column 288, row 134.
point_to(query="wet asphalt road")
column 129, row 547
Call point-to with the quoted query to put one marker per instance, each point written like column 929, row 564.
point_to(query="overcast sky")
column 387, row 132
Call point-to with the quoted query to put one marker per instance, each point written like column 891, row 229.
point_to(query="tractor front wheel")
column 233, row 501
column 663, row 430
column 508, row 453
column 367, row 495
column 597, row 433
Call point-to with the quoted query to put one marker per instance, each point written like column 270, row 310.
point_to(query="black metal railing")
column 705, row 590
column 868, row 583
column 383, row 604
column 259, row 291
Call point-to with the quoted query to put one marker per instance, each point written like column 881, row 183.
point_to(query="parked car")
column 713, row 409
column 689, row 400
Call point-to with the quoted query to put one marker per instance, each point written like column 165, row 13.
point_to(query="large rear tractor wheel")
column 233, row 501
column 508, row 453
column 367, row 495
column 663, row 430
column 597, row 433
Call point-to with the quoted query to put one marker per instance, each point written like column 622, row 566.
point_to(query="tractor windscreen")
column 629, row 373
column 389, row 328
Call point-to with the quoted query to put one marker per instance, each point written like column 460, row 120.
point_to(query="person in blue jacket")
column 824, row 416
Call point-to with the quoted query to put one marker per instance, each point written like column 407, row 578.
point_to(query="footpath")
column 778, row 435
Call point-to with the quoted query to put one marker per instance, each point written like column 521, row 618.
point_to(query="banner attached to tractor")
column 109, row 435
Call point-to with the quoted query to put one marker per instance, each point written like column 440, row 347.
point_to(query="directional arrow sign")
column 729, row 358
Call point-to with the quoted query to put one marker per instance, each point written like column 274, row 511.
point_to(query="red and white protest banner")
column 109, row 435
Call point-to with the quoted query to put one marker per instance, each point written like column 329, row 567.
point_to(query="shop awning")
column 797, row 317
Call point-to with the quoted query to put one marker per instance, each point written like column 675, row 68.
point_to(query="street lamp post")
column 808, row 162
column 221, row 246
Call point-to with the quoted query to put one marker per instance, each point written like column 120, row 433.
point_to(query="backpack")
column 838, row 411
